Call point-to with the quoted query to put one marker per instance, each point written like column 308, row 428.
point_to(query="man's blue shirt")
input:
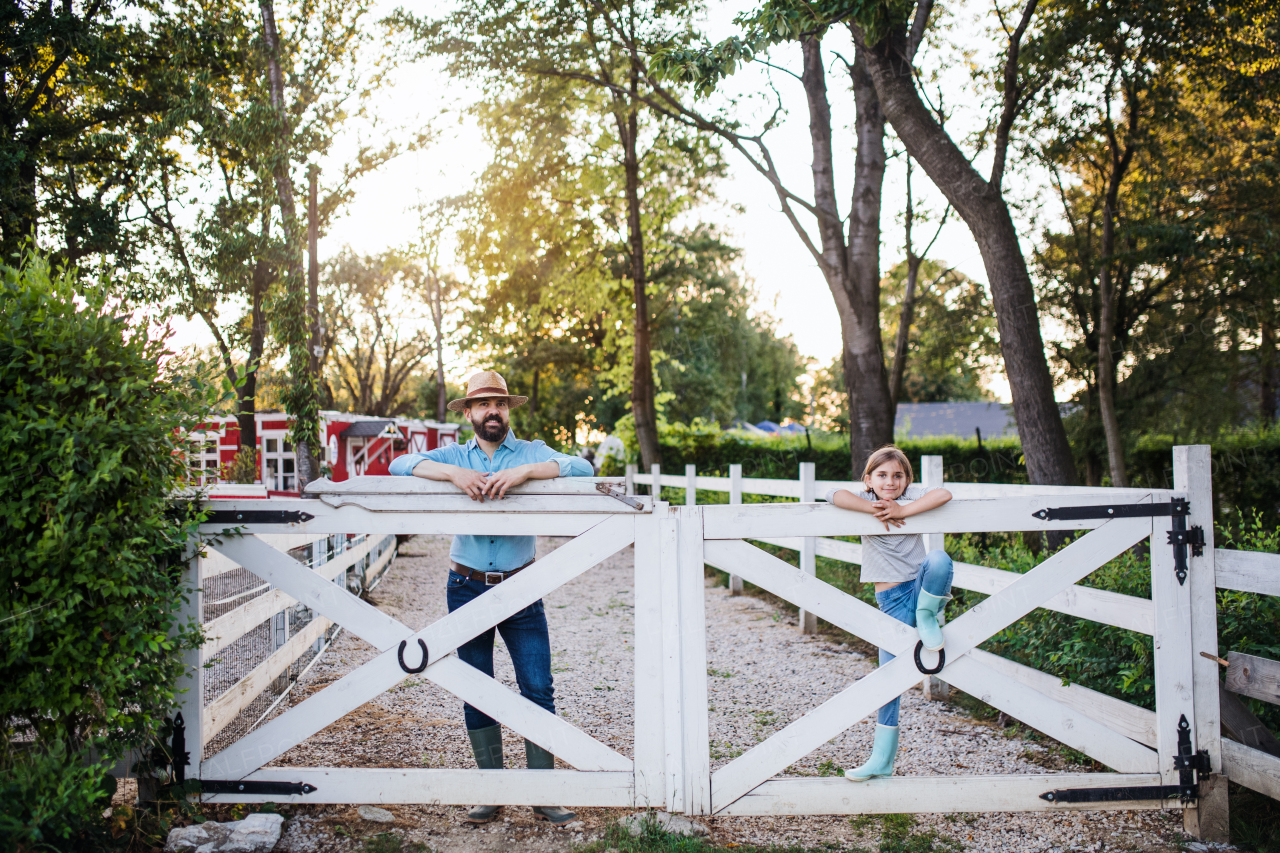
column 493, row 553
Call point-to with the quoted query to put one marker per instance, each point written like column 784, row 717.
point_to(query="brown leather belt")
column 489, row 578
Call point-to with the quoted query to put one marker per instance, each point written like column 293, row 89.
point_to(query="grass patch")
column 654, row 839
column 389, row 842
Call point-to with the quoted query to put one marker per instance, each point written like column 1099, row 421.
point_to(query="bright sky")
column 789, row 283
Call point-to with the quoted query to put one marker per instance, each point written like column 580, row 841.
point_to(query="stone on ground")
column 258, row 833
column 376, row 814
column 674, row 824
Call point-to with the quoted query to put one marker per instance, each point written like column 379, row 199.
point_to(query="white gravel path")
column 763, row 674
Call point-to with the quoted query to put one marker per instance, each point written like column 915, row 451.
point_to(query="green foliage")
column 713, row 451
column 243, row 468
column 91, row 545
column 953, row 338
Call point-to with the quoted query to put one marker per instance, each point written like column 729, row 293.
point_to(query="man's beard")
column 491, row 429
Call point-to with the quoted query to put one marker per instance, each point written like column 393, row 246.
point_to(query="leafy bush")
column 91, row 547
column 1246, row 465
column 713, row 451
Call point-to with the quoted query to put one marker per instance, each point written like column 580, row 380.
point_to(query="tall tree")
column 225, row 151
column 81, row 86
column 599, row 48
column 850, row 263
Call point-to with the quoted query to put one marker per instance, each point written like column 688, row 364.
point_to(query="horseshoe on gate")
column 942, row 659
column 405, row 643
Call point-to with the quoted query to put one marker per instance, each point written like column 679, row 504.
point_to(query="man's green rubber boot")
column 883, row 751
column 486, row 746
column 539, row 759
column 927, row 608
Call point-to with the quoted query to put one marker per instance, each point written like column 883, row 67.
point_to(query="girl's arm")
column 846, row 499
column 891, row 511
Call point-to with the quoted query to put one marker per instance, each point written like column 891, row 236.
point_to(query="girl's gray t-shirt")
column 891, row 557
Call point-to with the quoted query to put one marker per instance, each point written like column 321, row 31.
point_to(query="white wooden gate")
column 670, row 767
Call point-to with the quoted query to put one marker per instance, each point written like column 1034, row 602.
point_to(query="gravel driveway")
column 763, row 675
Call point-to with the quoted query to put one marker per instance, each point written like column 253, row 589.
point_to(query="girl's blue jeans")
column 900, row 603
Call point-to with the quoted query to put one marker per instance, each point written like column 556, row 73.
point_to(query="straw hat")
column 486, row 383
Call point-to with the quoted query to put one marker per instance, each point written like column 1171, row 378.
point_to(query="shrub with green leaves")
column 91, row 546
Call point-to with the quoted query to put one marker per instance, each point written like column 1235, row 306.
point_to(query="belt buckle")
column 489, row 578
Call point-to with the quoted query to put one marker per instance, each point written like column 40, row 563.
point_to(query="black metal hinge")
column 233, row 786
column 258, row 516
column 1177, row 508
column 1187, row 762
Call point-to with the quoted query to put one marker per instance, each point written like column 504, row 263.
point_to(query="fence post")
column 735, row 497
column 650, row 711
column 808, row 548
column 656, row 488
column 691, row 485
column 632, row 470
column 191, row 702
column 934, row 688
column 1193, row 475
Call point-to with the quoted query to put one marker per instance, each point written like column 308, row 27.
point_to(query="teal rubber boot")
column 486, row 746
column 927, row 608
column 883, row 751
column 540, row 759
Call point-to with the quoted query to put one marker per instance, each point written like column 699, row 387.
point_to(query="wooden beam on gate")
column 693, row 660
column 1173, row 665
column 935, row 794
column 307, row 586
column 385, row 485
column 508, row 520
column 1058, row 720
column 832, row 717
column 1099, row 605
column 441, row 637
column 386, row 786
column 1255, row 677
column 649, row 751
column 1065, row 721
column 549, row 731
column 753, row 521
column 1137, row 724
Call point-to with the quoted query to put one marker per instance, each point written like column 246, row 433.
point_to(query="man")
column 486, row 467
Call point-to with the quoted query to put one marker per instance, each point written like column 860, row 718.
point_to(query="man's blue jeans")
column 525, row 634
column 900, row 603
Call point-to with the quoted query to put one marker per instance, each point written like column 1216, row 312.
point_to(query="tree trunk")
column 852, row 268
column 1267, row 373
column 643, row 404
column 985, row 212
column 906, row 316
column 437, row 313
column 313, row 270
column 907, row 312
column 246, row 417
column 1106, row 339
column 307, row 467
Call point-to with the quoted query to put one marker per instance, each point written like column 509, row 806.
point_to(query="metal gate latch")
column 1177, row 509
column 234, row 786
column 1187, row 762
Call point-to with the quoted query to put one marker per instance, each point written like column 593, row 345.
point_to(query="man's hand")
column 473, row 483
column 889, row 512
column 496, row 485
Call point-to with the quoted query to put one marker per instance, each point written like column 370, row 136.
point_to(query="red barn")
column 354, row 445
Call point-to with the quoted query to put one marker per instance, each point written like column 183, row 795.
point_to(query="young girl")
column 911, row 586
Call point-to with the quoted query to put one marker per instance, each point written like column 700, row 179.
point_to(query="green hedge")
column 1246, row 466
column 90, row 549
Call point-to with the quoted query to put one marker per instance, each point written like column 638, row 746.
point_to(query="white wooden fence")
column 258, row 637
column 1150, row 752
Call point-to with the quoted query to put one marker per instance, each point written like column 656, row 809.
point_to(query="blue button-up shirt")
column 494, row 553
